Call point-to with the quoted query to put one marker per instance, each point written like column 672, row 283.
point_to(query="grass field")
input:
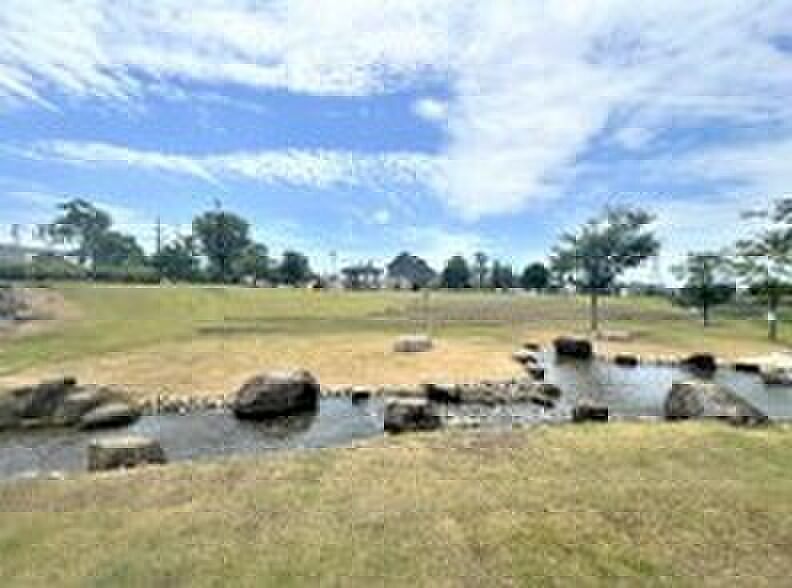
column 682, row 505
column 205, row 341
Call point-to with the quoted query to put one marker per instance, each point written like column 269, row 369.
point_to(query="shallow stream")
column 628, row 392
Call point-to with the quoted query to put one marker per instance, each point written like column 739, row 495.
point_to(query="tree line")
column 590, row 260
column 219, row 249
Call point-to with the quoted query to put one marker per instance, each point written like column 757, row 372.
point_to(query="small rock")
column 746, row 367
column 413, row 344
column 701, row 362
column 776, row 376
column 116, row 414
column 410, row 414
column 547, row 389
column 626, row 360
column 536, row 372
column 587, row 411
column 124, row 452
column 574, row 348
column 525, row 357
column 443, row 393
column 359, row 395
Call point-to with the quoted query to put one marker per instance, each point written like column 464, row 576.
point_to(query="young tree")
column 295, row 269
column 765, row 262
column 82, row 224
column 456, row 274
column 535, row 277
column 223, row 237
column 708, row 282
column 604, row 248
column 480, row 268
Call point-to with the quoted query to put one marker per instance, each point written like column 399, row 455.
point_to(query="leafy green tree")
column 536, row 276
column 255, row 262
column 115, row 249
column 765, row 262
column 480, row 268
column 502, row 276
column 456, row 274
column 708, row 282
column 82, row 224
column 294, row 269
column 594, row 257
column 223, row 238
column 178, row 261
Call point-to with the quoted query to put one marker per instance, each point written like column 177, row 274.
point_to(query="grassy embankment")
column 208, row 340
column 687, row 504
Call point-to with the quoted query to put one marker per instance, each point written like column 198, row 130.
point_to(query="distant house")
column 409, row 272
column 363, row 277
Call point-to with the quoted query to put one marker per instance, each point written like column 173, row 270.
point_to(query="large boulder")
column 574, row 348
column 124, row 452
column 404, row 415
column 776, row 376
column 413, row 344
column 704, row 363
column 708, row 400
column 41, row 401
column 276, row 394
column 59, row 403
column 116, row 414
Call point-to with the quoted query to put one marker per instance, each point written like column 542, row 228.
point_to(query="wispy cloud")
column 533, row 86
column 317, row 169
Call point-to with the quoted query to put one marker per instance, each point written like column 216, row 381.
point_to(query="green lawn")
column 126, row 322
column 682, row 505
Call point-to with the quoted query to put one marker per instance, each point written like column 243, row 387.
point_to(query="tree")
column 536, row 276
column 112, row 248
column 765, row 262
column 295, row 269
column 178, row 261
column 594, row 257
column 502, row 276
column 456, row 274
column 223, row 237
column 480, row 268
column 255, row 263
column 709, row 282
column 411, row 271
column 83, row 224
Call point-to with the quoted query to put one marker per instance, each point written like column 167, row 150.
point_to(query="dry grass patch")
column 217, row 366
column 683, row 504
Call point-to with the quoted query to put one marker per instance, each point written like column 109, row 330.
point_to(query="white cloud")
column 431, row 109
column 316, row 169
column 533, row 85
column 96, row 47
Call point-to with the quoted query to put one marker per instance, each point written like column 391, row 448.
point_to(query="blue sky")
column 369, row 127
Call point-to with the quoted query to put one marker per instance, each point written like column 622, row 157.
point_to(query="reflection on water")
column 204, row 435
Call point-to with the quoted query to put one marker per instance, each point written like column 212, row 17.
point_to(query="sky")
column 369, row 127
